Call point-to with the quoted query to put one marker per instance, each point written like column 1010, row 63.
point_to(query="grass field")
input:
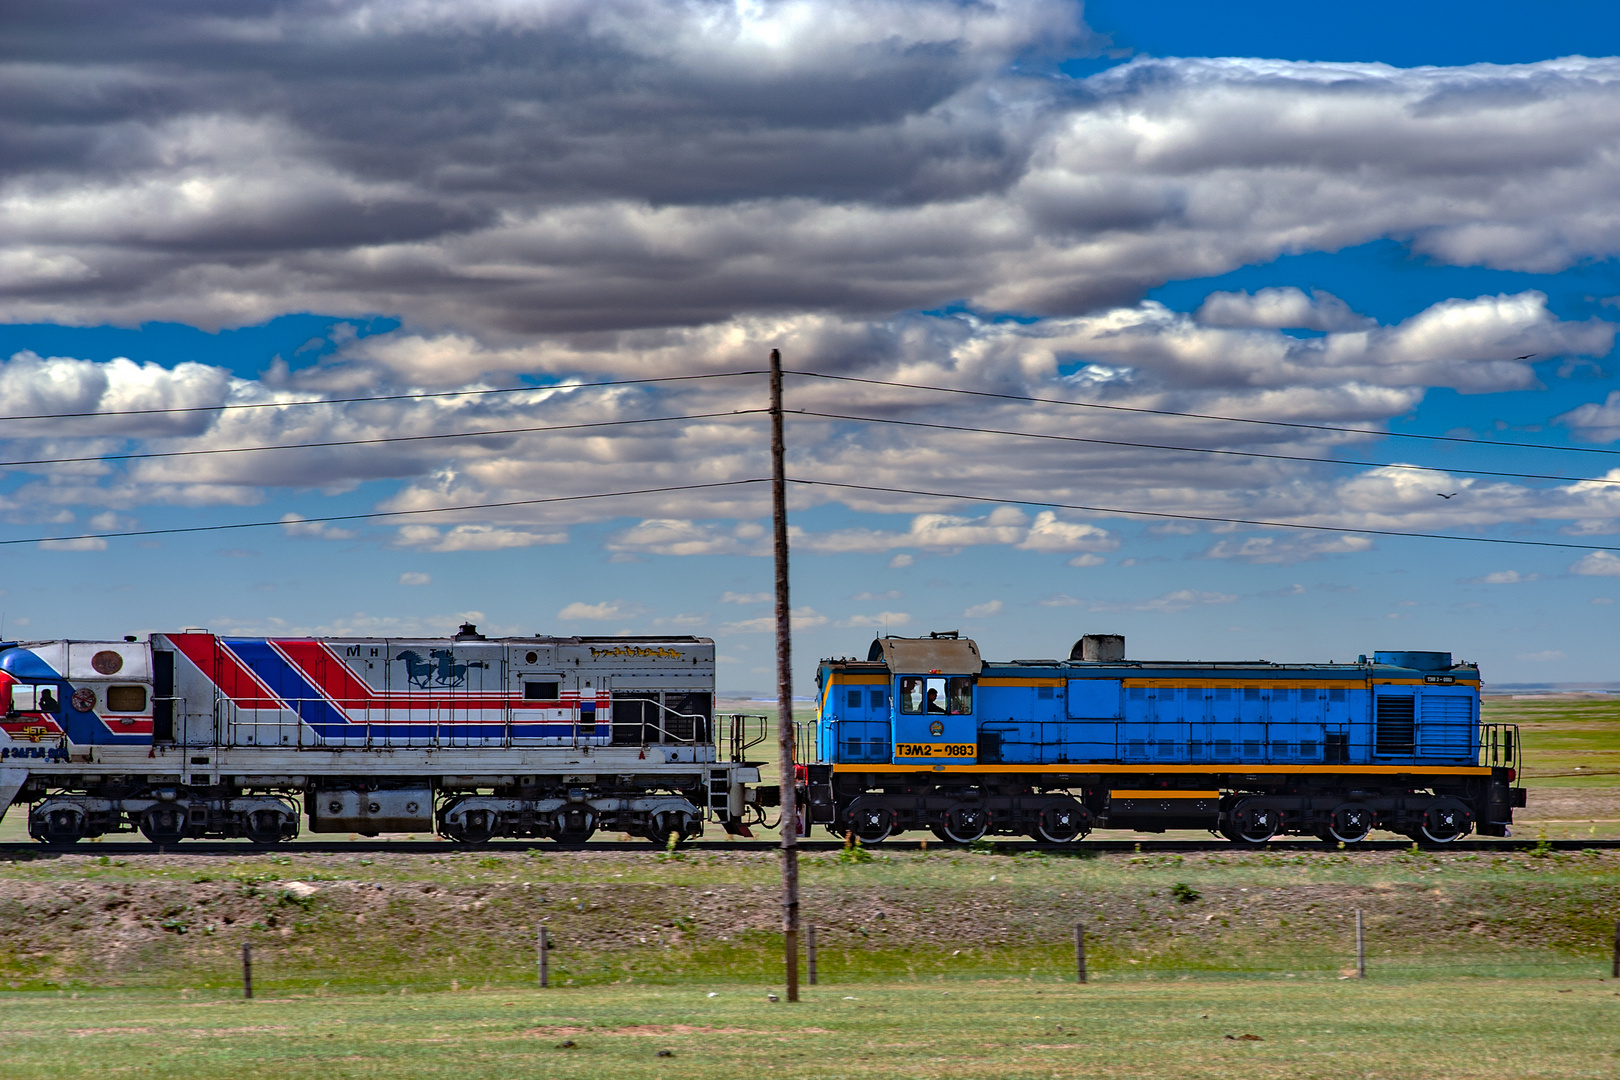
column 1007, row 1029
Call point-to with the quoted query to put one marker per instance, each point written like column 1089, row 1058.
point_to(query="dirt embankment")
column 347, row 916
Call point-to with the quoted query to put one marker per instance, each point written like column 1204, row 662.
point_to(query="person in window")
column 934, row 704
column 47, row 701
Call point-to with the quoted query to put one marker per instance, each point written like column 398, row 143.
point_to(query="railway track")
column 228, row 848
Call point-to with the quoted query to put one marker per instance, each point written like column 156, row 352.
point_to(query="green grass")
column 1567, row 742
column 1013, row 1029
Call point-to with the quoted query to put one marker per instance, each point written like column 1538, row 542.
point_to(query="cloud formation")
column 572, row 192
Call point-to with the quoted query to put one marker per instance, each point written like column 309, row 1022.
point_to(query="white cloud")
column 1171, row 602
column 1057, row 600
column 882, row 620
column 1267, row 550
column 1087, row 560
column 473, row 538
column 1281, row 308
column 1500, row 577
column 673, row 536
column 901, row 561
column 729, row 597
column 1049, row 534
column 800, row 617
column 600, row 612
column 1597, row 564
column 1544, row 657
column 293, row 524
column 891, row 594
column 78, row 543
column 414, row 577
column 1601, row 600
column 1594, row 422
column 984, row 610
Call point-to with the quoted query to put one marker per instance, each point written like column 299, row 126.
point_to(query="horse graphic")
column 439, row 669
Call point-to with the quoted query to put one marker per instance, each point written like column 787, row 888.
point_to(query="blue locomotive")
column 924, row 734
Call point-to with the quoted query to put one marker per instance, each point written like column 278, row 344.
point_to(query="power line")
column 1201, row 449
column 382, row 513
column 380, row 397
column 1205, row 517
column 1207, row 416
column 372, row 442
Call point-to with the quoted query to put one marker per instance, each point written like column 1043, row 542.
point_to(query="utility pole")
column 784, row 691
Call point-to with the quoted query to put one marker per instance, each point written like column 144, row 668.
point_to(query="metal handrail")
column 1499, row 746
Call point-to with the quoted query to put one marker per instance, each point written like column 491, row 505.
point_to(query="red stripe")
column 327, row 672
column 228, row 673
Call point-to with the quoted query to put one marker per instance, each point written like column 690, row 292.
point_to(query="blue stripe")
column 287, row 683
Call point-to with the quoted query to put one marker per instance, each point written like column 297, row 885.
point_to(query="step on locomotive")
column 926, row 735
column 195, row 734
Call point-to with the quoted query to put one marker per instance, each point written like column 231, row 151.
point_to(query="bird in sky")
column 1443, row 495
column 1526, row 356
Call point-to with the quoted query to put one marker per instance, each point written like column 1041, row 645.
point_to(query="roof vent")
column 468, row 632
column 1099, row 648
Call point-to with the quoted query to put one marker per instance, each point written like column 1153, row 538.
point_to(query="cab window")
column 911, row 695
column 960, row 695
column 126, row 699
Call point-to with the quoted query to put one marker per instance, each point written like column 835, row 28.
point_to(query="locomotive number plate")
column 933, row 750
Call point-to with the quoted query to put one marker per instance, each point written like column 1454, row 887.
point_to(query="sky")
column 518, row 265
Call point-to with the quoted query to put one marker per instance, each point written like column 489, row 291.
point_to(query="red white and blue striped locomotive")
column 197, row 735
column 924, row 734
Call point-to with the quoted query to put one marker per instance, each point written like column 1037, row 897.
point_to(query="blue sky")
column 1347, row 223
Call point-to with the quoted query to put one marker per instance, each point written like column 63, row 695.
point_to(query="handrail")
column 1500, row 747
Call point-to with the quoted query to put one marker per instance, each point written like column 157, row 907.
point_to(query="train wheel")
column 1443, row 823
column 574, row 825
column 264, row 827
column 477, row 827
column 964, row 824
column 1060, row 824
column 1252, row 824
column 59, row 827
column 1350, row 823
column 164, row 823
column 873, row 824
column 666, row 826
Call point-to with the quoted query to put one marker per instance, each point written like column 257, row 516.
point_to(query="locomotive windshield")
column 944, row 696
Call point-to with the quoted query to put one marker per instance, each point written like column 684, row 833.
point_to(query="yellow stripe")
column 858, row 680
column 1164, row 794
column 1185, row 770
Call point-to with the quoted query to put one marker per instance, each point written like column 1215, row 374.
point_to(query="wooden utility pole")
column 784, row 692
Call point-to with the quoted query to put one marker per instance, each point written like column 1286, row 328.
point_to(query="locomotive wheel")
column 1350, row 823
column 1252, row 825
column 670, row 824
column 264, row 827
column 61, row 827
column 872, row 824
column 964, row 824
column 573, row 826
column 1060, row 824
column 477, row 826
column 164, row 823
column 1443, row 823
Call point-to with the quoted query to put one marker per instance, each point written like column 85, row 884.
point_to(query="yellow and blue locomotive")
column 924, row 734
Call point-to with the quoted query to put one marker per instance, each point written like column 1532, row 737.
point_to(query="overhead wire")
column 1197, row 449
column 414, row 396
column 1206, row 416
column 329, row 518
column 372, row 441
column 1008, row 501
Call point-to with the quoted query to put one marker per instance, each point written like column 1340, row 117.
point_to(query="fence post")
column 1361, row 948
column 1080, row 952
column 247, row 970
column 810, row 950
column 544, row 961
column 1616, row 972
